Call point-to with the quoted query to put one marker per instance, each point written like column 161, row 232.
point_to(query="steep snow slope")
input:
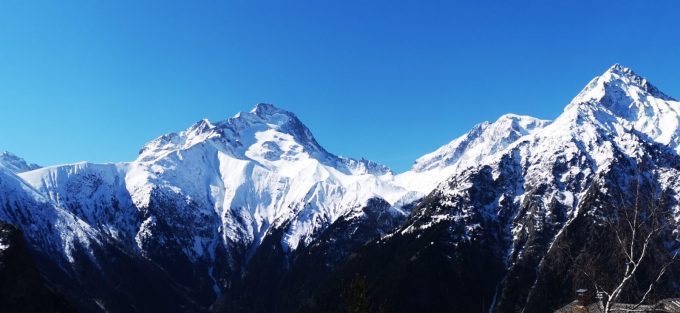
column 621, row 97
column 51, row 229
column 96, row 193
column 257, row 170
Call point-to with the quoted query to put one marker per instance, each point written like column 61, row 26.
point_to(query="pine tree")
column 356, row 297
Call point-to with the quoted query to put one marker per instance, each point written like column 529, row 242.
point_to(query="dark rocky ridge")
column 22, row 287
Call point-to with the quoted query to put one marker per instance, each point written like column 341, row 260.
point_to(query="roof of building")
column 671, row 305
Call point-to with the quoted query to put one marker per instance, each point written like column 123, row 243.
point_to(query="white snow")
column 46, row 224
column 483, row 141
column 623, row 101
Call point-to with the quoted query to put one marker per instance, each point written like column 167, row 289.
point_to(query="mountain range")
column 252, row 214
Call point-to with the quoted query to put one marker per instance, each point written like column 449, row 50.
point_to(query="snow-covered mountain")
column 77, row 259
column 200, row 202
column 220, row 207
column 621, row 98
column 256, row 170
column 483, row 141
column 50, row 228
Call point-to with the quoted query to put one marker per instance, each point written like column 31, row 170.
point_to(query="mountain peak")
column 619, row 74
column 264, row 113
column 237, row 132
column 618, row 88
column 239, row 136
column 264, row 109
column 621, row 70
column 620, row 99
column 260, row 112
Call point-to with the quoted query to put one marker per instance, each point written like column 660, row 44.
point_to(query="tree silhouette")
column 357, row 299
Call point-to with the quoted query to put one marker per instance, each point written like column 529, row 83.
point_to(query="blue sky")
column 385, row 80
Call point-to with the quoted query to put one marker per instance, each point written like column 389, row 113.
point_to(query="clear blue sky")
column 386, row 80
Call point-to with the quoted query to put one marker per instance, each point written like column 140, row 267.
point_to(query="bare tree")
column 635, row 228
